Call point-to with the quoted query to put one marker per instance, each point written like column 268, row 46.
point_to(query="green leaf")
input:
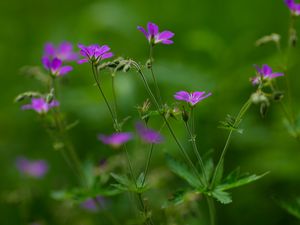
column 231, row 123
column 291, row 206
column 182, row 171
column 221, row 196
column 218, row 175
column 180, row 197
column 235, row 179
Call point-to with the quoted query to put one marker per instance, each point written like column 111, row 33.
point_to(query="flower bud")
column 185, row 115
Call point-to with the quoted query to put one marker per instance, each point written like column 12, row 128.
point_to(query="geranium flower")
column 94, row 53
column 148, row 135
column 36, row 169
column 40, row 105
column 55, row 66
column 266, row 73
column 93, row 205
column 64, row 51
column 193, row 98
column 293, row 6
column 154, row 36
column 115, row 139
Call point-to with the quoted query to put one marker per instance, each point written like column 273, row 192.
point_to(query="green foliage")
column 291, row 206
column 231, row 123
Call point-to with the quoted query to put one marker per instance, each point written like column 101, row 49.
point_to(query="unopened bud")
column 185, row 115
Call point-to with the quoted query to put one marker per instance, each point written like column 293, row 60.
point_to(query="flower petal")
column 142, row 29
column 56, row 63
column 65, row 69
column 46, row 62
column 107, row 55
column 81, row 61
column 152, row 29
column 182, row 96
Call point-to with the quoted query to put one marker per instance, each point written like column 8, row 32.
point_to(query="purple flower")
column 266, row 73
column 55, row 66
column 154, row 36
column 35, row 169
column 63, row 52
column 93, row 205
column 148, row 135
column 193, row 98
column 94, row 53
column 293, row 6
column 40, row 105
column 116, row 139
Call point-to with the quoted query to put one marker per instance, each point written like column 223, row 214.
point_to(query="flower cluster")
column 154, row 36
column 94, row 53
column 53, row 58
column 265, row 73
column 35, row 169
column 40, row 105
column 192, row 98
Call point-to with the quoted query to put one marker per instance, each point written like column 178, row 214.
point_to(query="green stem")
column 236, row 123
column 148, row 163
column 152, row 73
column 212, row 210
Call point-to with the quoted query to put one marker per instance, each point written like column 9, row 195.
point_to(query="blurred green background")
column 213, row 51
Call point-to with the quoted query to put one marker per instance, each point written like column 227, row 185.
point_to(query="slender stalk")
column 196, row 151
column 152, row 73
column 236, row 123
column 114, row 95
column 148, row 163
column 212, row 210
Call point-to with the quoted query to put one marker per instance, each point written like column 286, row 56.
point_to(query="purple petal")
column 148, row 135
column 65, row 69
column 115, row 139
column 103, row 49
column 182, row 96
column 53, row 103
column 56, row 63
column 49, row 49
column 167, row 42
column 142, row 29
column 46, row 62
column 274, row 75
column 26, row 107
column 107, row 55
column 81, row 61
column 266, row 70
column 165, row 35
column 152, row 29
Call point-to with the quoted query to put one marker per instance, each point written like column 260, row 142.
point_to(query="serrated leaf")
column 222, row 196
column 291, row 206
column 27, row 95
column 231, row 123
column 182, row 171
column 235, row 179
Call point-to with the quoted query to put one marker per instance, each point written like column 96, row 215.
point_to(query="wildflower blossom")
column 36, row 169
column 55, row 66
column 293, row 6
column 93, row 205
column 116, row 139
column 40, row 105
column 193, row 98
column 148, row 135
column 154, row 36
column 266, row 73
column 94, row 53
column 63, row 52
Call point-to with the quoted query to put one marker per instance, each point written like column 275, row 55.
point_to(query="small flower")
column 93, row 205
column 154, row 36
column 40, row 105
column 266, row 73
column 64, row 51
column 55, row 66
column 148, row 135
column 293, row 6
column 94, row 53
column 35, row 169
column 193, row 98
column 116, row 139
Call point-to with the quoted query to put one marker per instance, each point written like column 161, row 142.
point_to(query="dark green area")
column 214, row 51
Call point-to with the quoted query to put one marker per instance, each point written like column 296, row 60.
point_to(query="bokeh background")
column 213, row 51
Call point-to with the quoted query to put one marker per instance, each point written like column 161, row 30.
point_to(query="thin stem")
column 148, row 163
column 212, row 210
column 96, row 77
column 196, row 151
column 236, row 123
column 114, row 95
column 152, row 73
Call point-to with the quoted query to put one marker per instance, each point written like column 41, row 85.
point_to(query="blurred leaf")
column 230, row 123
column 221, row 196
column 291, row 206
column 27, row 95
column 126, row 184
column 182, row 171
column 235, row 179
